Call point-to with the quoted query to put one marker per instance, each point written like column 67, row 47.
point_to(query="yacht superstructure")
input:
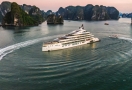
column 74, row 38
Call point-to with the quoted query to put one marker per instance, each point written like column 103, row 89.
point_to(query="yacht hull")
column 59, row 46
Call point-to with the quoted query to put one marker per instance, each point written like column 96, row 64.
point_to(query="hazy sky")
column 121, row 5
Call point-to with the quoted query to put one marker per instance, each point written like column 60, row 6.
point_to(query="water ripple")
column 11, row 48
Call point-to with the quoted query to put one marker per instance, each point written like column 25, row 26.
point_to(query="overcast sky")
column 121, row 5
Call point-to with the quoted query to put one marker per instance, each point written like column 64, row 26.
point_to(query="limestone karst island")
column 66, row 45
column 13, row 14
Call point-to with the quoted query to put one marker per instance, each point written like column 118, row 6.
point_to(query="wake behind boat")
column 74, row 38
column 113, row 36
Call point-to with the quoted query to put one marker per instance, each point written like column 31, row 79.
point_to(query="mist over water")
column 104, row 65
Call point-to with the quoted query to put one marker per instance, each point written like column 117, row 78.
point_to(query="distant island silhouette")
column 27, row 15
column 89, row 12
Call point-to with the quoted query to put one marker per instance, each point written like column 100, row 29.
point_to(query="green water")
column 104, row 65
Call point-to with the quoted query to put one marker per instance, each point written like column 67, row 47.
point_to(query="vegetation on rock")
column 35, row 13
column 18, row 17
column 53, row 19
column 89, row 12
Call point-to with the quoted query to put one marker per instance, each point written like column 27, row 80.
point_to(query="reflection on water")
column 69, row 52
column 14, row 28
column 104, row 65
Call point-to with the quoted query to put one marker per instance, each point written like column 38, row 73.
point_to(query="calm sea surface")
column 105, row 65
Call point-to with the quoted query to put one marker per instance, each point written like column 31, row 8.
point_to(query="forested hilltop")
column 27, row 15
column 89, row 12
column 21, row 15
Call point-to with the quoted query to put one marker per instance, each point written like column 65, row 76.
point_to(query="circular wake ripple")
column 61, row 64
column 11, row 48
column 82, row 65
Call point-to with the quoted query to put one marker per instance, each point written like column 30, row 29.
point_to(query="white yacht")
column 74, row 38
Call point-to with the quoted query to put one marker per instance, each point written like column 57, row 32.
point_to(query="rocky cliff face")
column 69, row 13
column 18, row 17
column 60, row 11
column 26, row 8
column 49, row 12
column 79, row 13
column 89, row 12
column 44, row 15
column 53, row 19
column 113, row 13
column 4, row 8
column 100, row 13
column 36, row 14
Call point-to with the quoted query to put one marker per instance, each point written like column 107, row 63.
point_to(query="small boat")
column 106, row 23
